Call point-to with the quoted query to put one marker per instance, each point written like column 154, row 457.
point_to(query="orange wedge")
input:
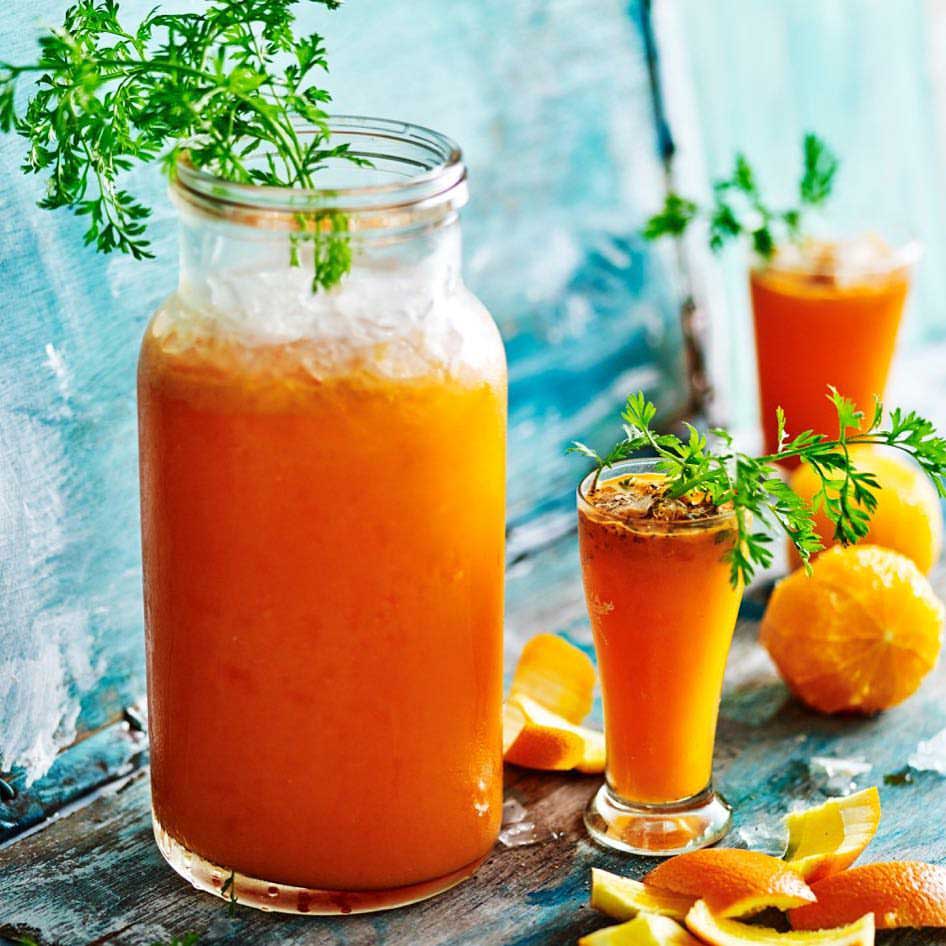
column 514, row 721
column 645, row 930
column 898, row 893
column 732, row 882
column 548, row 741
column 721, row 932
column 624, row 898
column 826, row 840
column 556, row 675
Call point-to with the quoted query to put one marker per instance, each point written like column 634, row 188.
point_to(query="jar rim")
column 429, row 181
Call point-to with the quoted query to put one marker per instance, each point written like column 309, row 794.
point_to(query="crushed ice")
column 930, row 754
column 768, row 835
column 837, row 777
column 518, row 830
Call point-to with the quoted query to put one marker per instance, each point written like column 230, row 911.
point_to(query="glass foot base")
column 285, row 898
column 657, row 830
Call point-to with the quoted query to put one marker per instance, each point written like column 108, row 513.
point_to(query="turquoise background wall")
column 551, row 102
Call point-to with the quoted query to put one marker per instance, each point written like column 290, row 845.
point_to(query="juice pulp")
column 323, row 564
column 662, row 614
column 811, row 331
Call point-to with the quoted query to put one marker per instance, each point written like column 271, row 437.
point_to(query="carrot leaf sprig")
column 739, row 210
column 760, row 499
column 231, row 85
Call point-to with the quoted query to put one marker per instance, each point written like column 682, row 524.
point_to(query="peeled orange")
column 732, row 882
column 828, row 839
column 645, row 930
column 857, row 635
column 721, row 932
column 623, row 898
column 898, row 893
column 907, row 518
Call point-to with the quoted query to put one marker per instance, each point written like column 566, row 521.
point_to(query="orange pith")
column 647, row 929
column 859, row 634
column 548, row 741
column 624, row 898
column 514, row 720
column 907, row 518
column 732, row 882
column 826, row 840
column 899, row 893
column 718, row 931
column 556, row 675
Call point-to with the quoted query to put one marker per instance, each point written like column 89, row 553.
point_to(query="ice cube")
column 768, row 835
column 930, row 755
column 837, row 776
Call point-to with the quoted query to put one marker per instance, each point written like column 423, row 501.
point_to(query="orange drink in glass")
column 323, row 572
column 662, row 614
column 826, row 314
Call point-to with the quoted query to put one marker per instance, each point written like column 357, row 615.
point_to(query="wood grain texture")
column 96, row 876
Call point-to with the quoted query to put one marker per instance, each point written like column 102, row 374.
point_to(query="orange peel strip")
column 718, row 931
column 732, row 882
column 548, row 741
column 624, row 898
column 898, row 893
column 826, row 840
column 557, row 675
column 647, row 929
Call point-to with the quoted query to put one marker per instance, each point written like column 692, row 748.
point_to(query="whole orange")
column 857, row 635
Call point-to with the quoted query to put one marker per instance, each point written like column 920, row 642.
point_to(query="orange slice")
column 556, row 675
column 732, row 882
column 721, row 932
column 645, row 930
column 857, row 635
column 899, row 893
column 624, row 898
column 548, row 741
column 828, row 839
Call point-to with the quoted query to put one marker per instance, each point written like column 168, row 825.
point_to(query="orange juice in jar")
column 323, row 571
column 826, row 313
column 662, row 612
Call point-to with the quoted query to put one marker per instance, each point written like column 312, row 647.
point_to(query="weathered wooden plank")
column 96, row 875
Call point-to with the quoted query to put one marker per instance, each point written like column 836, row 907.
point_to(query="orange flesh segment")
column 547, row 741
column 732, row 882
column 556, row 675
column 826, row 840
column 647, row 929
column 898, row 893
column 718, row 931
column 624, row 898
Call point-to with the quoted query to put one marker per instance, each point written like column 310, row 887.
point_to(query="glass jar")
column 322, row 498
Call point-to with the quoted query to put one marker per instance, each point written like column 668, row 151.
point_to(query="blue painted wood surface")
column 96, row 875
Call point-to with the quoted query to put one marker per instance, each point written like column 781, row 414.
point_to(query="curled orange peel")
column 826, row 840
